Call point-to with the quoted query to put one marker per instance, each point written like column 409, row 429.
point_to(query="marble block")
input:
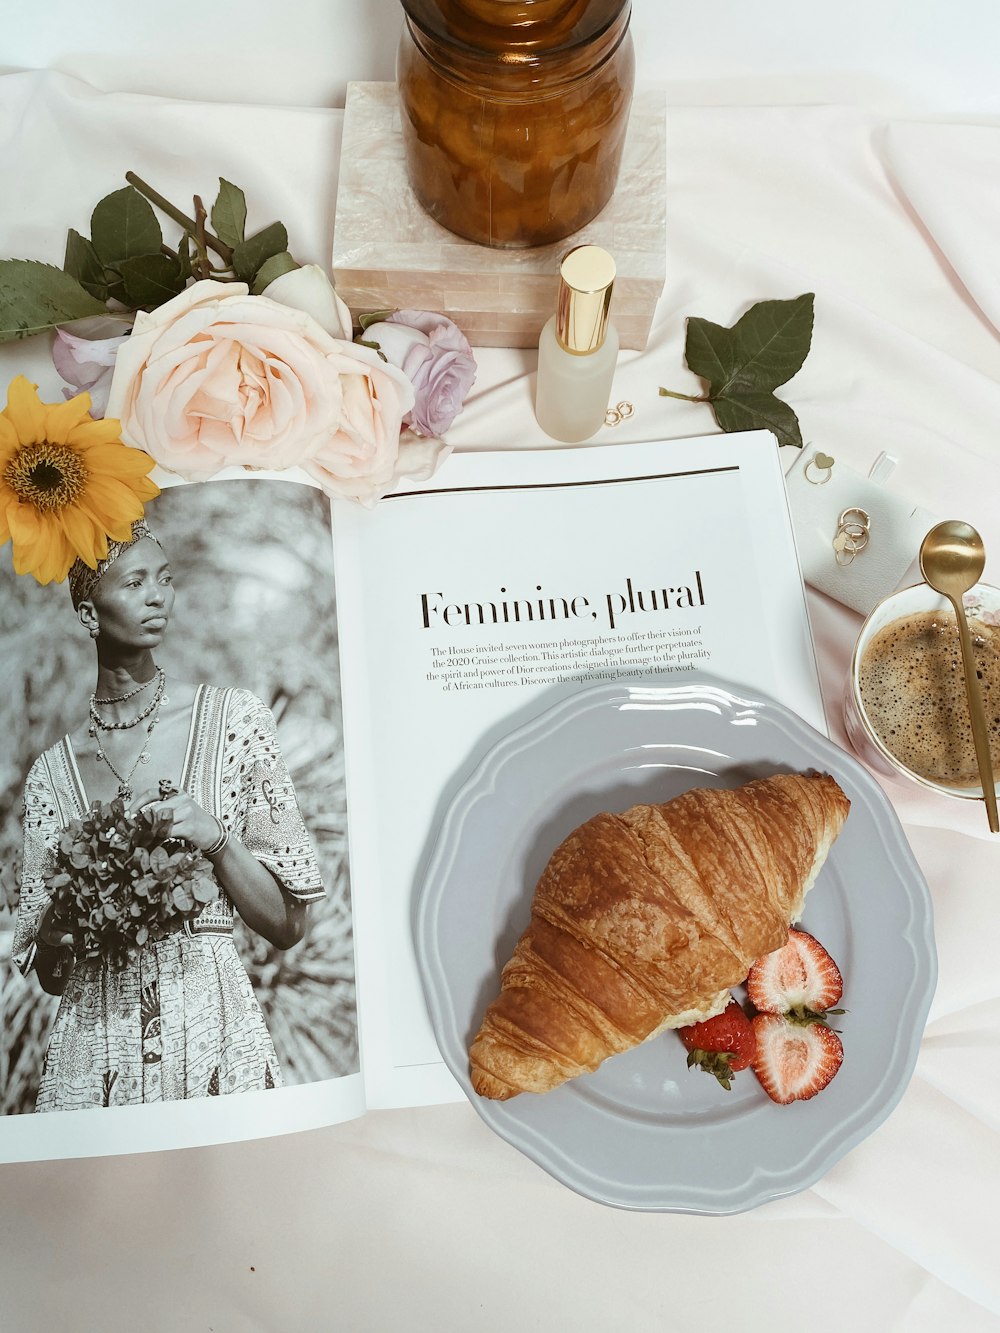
column 387, row 251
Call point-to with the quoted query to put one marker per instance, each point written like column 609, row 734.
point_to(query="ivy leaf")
column 229, row 213
column 743, row 365
column 149, row 280
column 36, row 297
column 82, row 262
column 124, row 225
column 272, row 268
column 252, row 253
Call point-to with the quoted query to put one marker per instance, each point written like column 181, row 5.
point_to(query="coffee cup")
column 904, row 705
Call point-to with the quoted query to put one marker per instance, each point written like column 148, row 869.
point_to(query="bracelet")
column 221, row 841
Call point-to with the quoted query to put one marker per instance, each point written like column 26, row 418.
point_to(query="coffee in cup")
column 907, row 710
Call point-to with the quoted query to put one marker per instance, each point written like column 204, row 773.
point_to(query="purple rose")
column 434, row 354
column 84, row 352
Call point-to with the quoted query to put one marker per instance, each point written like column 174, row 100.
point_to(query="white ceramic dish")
column 643, row 1131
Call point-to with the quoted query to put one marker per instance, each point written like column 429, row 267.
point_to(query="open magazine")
column 391, row 648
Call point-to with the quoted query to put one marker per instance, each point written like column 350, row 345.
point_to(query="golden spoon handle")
column 977, row 713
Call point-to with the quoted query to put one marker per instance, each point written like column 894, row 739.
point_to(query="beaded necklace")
column 121, row 698
column 97, row 721
column 152, row 712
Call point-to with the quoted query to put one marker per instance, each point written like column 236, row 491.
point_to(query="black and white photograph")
column 174, row 715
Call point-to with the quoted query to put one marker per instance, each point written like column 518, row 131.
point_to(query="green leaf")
column 772, row 340
column 370, row 342
column 273, row 268
column 763, row 349
column 251, row 254
column 373, row 317
column 709, row 352
column 36, row 297
column 82, row 262
column 184, row 256
column 123, row 225
column 744, row 409
column 150, row 280
column 229, row 213
column 743, row 365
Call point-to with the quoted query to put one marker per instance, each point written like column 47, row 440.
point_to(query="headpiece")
column 83, row 580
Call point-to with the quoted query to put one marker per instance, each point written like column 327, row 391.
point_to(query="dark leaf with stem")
column 743, row 365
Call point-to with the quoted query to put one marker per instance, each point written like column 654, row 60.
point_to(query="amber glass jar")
column 514, row 112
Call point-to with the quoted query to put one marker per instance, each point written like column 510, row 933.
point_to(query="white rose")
column 309, row 289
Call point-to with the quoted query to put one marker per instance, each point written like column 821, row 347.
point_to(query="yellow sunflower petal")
column 63, row 420
column 24, row 411
column 26, row 524
column 8, row 438
column 83, row 534
column 112, row 502
column 89, row 434
column 39, row 546
column 55, row 564
column 119, row 530
column 118, row 460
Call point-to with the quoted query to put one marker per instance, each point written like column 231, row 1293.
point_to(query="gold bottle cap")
column 586, row 277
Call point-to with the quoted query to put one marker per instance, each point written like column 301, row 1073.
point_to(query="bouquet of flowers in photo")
column 121, row 882
column 217, row 351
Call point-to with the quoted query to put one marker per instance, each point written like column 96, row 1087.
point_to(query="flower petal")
column 8, row 437
column 61, row 419
column 24, row 411
column 118, row 460
column 90, row 433
column 83, row 534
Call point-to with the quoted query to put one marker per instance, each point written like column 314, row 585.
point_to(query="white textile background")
column 422, row 1217
column 893, row 55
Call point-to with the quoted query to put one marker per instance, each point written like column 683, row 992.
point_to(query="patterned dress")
column 182, row 1020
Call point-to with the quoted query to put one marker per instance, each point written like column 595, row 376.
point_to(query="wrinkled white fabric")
column 894, row 228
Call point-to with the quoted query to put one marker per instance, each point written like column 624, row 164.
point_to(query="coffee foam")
column 912, row 688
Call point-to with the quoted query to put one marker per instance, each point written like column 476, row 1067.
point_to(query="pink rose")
column 217, row 378
column 436, row 357
column 83, row 353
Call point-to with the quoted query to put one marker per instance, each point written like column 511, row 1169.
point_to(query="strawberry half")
column 800, row 978
column 793, row 1062
column 720, row 1045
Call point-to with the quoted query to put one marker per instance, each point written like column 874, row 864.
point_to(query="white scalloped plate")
column 643, row 1131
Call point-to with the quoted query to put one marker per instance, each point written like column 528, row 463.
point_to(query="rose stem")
column 221, row 249
column 200, row 239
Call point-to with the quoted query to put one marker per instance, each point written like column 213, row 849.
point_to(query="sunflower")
column 67, row 483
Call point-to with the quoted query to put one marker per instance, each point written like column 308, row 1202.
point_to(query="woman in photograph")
column 179, row 1020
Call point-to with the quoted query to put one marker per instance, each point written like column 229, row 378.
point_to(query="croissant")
column 644, row 920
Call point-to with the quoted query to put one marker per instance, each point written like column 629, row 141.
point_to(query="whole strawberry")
column 721, row 1045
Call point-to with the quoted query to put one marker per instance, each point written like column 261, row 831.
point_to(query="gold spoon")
column 952, row 559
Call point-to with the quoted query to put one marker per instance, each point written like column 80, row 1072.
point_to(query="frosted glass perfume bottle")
column 578, row 349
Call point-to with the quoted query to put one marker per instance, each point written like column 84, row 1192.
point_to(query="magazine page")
column 229, row 1026
column 478, row 600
